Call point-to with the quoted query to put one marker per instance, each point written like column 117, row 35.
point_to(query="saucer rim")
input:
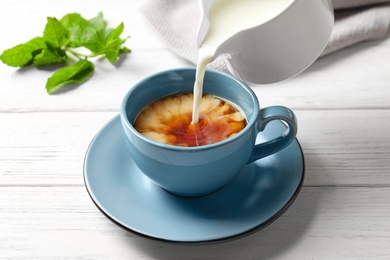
column 246, row 233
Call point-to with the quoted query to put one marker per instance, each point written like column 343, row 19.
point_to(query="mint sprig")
column 61, row 41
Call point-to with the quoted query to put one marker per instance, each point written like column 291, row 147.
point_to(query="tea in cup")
column 183, row 168
column 169, row 120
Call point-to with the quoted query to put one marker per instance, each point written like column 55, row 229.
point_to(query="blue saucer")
column 260, row 194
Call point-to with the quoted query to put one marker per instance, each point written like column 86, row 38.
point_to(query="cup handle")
column 267, row 115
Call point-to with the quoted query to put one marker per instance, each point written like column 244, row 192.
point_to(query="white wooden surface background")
column 342, row 102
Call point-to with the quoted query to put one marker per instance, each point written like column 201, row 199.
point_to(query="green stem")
column 81, row 55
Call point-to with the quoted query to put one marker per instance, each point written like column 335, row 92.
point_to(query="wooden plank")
column 323, row 223
column 353, row 78
column 342, row 149
column 49, row 148
column 333, row 82
column 46, row 148
column 24, row 90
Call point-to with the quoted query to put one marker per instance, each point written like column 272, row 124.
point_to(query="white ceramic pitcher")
column 278, row 49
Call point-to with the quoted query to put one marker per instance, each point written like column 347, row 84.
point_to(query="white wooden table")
column 342, row 102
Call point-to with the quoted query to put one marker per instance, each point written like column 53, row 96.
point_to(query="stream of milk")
column 228, row 17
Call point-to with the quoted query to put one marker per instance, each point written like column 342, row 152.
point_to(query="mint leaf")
column 73, row 74
column 55, row 33
column 23, row 54
column 83, row 33
column 73, row 20
column 47, row 57
column 96, row 41
column 92, row 40
column 75, row 24
column 116, row 33
column 124, row 50
column 98, row 22
column 113, row 44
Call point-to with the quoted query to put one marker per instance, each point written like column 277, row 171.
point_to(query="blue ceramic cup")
column 196, row 171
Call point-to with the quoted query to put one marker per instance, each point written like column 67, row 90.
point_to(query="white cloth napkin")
column 355, row 21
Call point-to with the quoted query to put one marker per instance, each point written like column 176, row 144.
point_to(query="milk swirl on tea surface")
column 228, row 17
column 168, row 121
